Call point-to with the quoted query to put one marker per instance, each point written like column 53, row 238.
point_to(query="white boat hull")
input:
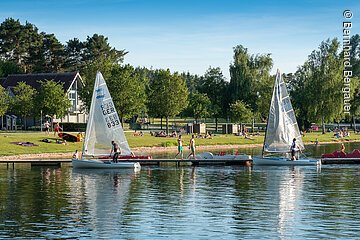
column 96, row 163
column 209, row 155
column 279, row 161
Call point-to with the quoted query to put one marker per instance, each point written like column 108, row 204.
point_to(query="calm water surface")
column 168, row 202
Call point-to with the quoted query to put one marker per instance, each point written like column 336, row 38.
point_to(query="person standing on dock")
column 180, row 147
column 116, row 150
column 76, row 154
column 192, row 147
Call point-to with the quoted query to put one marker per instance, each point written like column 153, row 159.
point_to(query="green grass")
column 7, row 148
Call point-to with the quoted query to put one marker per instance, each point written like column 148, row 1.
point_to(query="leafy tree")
column 168, row 95
column 355, row 55
column 52, row 99
column 300, row 98
column 192, row 81
column 98, row 49
column 214, row 85
column 53, row 53
column 96, row 55
column 34, row 57
column 24, row 100
column 249, row 77
column 355, row 63
column 74, row 50
column 4, row 103
column 7, row 67
column 17, row 43
column 240, row 112
column 127, row 90
column 325, row 83
column 12, row 40
column 200, row 105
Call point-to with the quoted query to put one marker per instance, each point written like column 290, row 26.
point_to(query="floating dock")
column 178, row 162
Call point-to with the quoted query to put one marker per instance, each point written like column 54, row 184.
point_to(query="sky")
column 193, row 35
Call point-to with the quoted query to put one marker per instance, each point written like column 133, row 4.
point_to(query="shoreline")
column 147, row 150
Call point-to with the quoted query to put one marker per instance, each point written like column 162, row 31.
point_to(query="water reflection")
column 290, row 189
column 220, row 202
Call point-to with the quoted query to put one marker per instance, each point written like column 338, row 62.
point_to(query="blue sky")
column 185, row 35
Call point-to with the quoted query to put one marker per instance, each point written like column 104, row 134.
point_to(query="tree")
column 249, row 77
column 355, row 63
column 52, row 99
column 12, row 39
column 24, row 100
column 240, row 112
column 74, row 50
column 127, row 90
column 168, row 95
column 98, row 49
column 8, row 67
column 53, row 53
column 4, row 103
column 19, row 43
column 214, row 85
column 192, row 81
column 324, row 83
column 200, row 105
column 96, row 55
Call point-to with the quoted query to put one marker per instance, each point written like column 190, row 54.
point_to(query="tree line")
column 315, row 88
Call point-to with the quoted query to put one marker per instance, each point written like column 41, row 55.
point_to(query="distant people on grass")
column 180, row 147
column 57, row 129
column 116, row 150
column 138, row 133
column 192, row 147
column 79, row 137
column 341, row 133
column 46, row 127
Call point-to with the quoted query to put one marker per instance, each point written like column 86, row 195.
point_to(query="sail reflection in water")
column 105, row 193
column 290, row 190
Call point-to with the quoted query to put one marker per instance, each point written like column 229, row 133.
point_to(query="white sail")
column 282, row 126
column 104, row 124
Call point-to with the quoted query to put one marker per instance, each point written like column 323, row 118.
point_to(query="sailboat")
column 103, row 127
column 281, row 129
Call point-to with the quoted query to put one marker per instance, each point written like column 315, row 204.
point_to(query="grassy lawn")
column 8, row 148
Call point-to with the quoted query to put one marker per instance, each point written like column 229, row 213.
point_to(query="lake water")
column 168, row 202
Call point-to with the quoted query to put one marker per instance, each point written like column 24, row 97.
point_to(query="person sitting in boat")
column 294, row 149
column 116, row 150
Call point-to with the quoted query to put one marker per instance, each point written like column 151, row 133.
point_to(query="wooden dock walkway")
column 178, row 162
column 59, row 162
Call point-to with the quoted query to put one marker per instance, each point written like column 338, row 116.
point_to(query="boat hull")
column 96, row 163
column 279, row 161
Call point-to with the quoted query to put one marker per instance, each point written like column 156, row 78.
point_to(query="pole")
column 41, row 120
